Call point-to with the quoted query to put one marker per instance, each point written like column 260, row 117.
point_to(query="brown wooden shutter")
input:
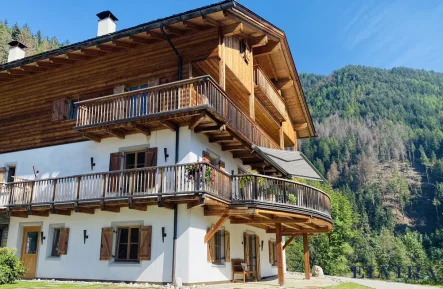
column 211, row 248
column 115, row 162
column 246, row 247
column 106, row 244
column 2, row 175
column 60, row 109
column 227, row 246
column 144, row 245
column 63, row 241
column 271, row 251
column 151, row 157
column 257, row 248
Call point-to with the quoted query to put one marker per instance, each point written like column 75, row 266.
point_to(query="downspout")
column 177, row 141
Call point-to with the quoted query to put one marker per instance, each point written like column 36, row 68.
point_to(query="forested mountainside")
column 380, row 145
column 36, row 42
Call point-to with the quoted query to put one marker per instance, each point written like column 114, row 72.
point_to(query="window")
column 273, row 253
column 219, row 247
column 127, row 244
column 244, row 50
column 72, row 109
column 212, row 158
column 135, row 160
column 55, row 242
column 64, row 109
column 11, row 174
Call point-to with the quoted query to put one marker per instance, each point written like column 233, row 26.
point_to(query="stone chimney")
column 16, row 50
column 106, row 23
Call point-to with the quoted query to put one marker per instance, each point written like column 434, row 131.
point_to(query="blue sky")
column 323, row 35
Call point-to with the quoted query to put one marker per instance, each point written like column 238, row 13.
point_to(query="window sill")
column 124, row 264
column 53, row 258
column 218, row 264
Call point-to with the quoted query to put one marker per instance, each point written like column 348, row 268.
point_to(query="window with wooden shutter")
column 271, row 258
column 115, row 162
column 150, row 161
column 211, row 249
column 60, row 109
column 63, row 241
column 257, row 254
column 106, row 243
column 273, row 253
column 227, row 246
column 145, row 243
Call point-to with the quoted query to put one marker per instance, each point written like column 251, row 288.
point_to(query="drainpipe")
column 177, row 141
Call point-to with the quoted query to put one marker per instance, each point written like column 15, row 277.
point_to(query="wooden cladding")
column 63, row 241
column 171, row 98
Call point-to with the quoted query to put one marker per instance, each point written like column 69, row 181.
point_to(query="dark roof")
column 106, row 14
column 17, row 43
column 290, row 163
column 213, row 8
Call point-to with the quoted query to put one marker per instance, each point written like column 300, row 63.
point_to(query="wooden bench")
column 240, row 267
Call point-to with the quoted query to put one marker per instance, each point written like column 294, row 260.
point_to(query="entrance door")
column 252, row 253
column 30, row 245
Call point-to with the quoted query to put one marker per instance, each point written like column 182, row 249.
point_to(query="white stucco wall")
column 82, row 261
column 194, row 267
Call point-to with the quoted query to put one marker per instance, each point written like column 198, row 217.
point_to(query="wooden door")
column 250, row 250
column 30, row 246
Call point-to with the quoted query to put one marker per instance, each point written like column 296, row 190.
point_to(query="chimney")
column 106, row 23
column 16, row 50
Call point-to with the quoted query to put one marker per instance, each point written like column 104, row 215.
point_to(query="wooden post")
column 306, row 249
column 281, row 274
column 282, row 137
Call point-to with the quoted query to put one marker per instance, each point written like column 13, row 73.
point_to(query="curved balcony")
column 146, row 186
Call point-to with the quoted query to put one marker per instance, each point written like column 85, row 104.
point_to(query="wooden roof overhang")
column 270, row 49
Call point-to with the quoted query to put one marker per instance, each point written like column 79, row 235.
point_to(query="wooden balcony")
column 138, row 188
column 268, row 95
column 169, row 106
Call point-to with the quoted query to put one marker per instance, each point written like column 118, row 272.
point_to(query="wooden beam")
column 230, row 148
column 168, row 124
column 278, row 237
column 19, row 214
column 114, row 209
column 209, row 21
column 116, row 133
column 84, row 210
column 124, row 44
column 140, row 207
column 94, row 52
column 156, row 35
column 258, row 41
column 243, row 155
column 48, row 64
column 92, row 137
column 175, row 31
column 253, row 162
column 62, row 60
column 306, row 257
column 140, row 39
column 196, row 121
column 233, row 29
column 20, row 71
column 214, row 229
column 208, row 128
column 220, row 138
column 289, row 241
column 143, row 129
column 108, row 48
column 300, row 126
column 269, row 48
column 78, row 56
column 192, row 26
column 35, row 68
column 283, row 84
column 61, row 212
column 258, row 220
column 288, row 232
column 41, row 213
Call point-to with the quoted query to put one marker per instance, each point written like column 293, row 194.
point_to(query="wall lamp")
column 92, row 164
column 42, row 237
column 85, row 236
column 262, row 245
column 166, row 154
column 163, row 234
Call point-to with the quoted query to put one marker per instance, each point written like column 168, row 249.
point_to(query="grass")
column 347, row 286
column 55, row 285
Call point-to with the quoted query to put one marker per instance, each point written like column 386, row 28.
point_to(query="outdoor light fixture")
column 92, row 164
column 42, row 237
column 166, row 154
column 163, row 234
column 85, row 236
column 262, row 245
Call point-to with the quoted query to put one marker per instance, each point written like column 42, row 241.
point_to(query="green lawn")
column 347, row 286
column 49, row 285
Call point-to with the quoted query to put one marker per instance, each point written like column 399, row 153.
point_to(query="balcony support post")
column 278, row 237
column 306, row 257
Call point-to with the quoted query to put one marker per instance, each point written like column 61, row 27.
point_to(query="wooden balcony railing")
column 269, row 96
column 165, row 181
column 262, row 188
column 170, row 98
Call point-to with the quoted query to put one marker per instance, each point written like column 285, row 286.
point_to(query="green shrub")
column 11, row 268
